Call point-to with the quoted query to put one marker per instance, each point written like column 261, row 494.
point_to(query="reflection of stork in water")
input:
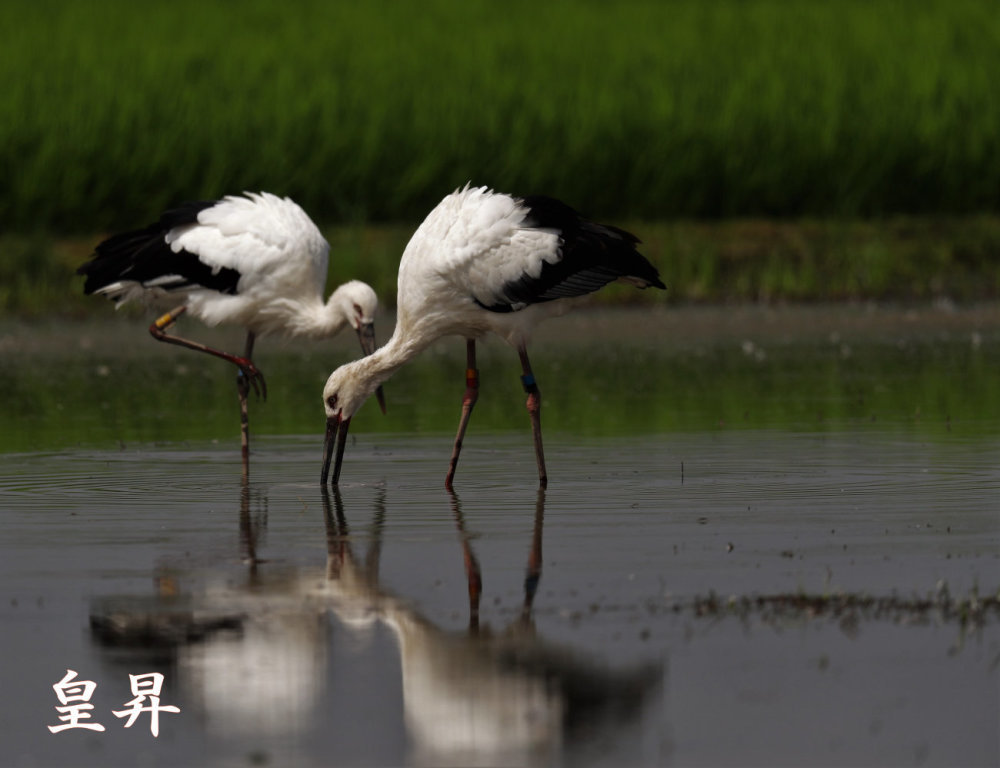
column 249, row 653
column 251, row 528
column 254, row 655
column 474, row 574
column 478, row 697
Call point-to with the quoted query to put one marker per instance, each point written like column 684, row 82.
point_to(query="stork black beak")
column 336, row 433
column 366, row 335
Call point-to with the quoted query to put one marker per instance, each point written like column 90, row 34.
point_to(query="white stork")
column 256, row 261
column 484, row 261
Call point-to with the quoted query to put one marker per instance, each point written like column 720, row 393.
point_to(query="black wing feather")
column 143, row 255
column 592, row 255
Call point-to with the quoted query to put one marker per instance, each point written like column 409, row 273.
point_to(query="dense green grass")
column 111, row 110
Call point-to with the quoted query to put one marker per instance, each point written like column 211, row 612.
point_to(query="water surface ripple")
column 753, row 578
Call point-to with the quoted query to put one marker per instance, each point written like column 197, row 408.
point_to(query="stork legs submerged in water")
column 534, row 405
column 248, row 376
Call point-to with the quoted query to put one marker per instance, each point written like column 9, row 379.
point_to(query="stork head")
column 345, row 392
column 357, row 302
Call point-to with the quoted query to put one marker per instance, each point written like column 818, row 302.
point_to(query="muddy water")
column 792, row 590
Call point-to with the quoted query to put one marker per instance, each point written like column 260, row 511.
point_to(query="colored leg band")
column 164, row 320
column 472, row 378
column 529, row 383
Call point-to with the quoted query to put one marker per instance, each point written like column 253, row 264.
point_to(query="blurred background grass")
column 918, row 259
column 763, row 149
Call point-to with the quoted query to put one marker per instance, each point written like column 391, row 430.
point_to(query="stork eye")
column 332, row 401
column 357, row 310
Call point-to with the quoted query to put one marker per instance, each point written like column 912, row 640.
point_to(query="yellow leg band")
column 165, row 320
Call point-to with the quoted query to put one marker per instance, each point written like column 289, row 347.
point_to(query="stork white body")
column 256, row 261
column 459, row 259
column 486, row 262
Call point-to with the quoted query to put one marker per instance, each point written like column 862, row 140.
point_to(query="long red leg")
column 534, row 406
column 243, row 388
column 468, row 402
column 159, row 332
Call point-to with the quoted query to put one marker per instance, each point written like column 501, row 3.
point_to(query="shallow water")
column 790, row 590
column 104, row 384
column 282, row 640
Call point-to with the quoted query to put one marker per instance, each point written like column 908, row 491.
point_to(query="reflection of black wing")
column 143, row 256
column 156, row 624
column 590, row 256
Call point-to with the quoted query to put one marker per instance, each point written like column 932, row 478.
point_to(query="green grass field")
column 899, row 259
column 644, row 110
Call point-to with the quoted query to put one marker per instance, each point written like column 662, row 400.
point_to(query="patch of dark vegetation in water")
column 940, row 607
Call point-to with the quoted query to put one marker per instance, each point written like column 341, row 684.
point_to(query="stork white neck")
column 355, row 382
column 353, row 303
